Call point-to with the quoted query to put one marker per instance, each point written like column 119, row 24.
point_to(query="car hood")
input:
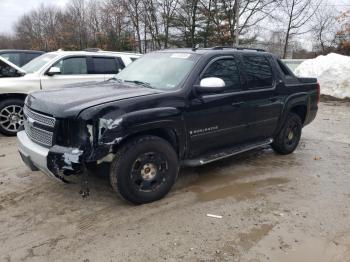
column 71, row 100
column 4, row 62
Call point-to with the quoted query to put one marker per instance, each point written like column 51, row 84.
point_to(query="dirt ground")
column 273, row 208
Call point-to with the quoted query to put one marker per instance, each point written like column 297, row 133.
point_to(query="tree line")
column 147, row 25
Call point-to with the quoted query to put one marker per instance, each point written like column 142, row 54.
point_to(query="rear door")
column 262, row 102
column 217, row 120
column 74, row 69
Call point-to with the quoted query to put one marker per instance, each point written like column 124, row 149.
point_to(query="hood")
column 70, row 101
column 8, row 69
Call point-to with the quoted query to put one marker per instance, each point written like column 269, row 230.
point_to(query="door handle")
column 237, row 104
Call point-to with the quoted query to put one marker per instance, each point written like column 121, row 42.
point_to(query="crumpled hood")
column 71, row 100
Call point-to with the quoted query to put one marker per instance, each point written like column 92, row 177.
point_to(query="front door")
column 216, row 120
column 73, row 70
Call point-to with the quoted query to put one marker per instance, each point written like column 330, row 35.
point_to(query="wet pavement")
column 273, row 208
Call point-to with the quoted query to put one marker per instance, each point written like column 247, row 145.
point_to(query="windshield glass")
column 159, row 70
column 37, row 63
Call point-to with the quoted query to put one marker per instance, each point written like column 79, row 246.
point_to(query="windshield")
column 37, row 63
column 159, row 70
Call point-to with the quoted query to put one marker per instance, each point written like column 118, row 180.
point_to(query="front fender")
column 113, row 129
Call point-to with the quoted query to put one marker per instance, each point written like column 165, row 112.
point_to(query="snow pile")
column 332, row 72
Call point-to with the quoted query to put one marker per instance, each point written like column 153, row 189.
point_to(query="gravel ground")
column 273, row 208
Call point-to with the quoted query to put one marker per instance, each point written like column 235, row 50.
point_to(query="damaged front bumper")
column 56, row 162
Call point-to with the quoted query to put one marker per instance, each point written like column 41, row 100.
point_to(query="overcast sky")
column 11, row 10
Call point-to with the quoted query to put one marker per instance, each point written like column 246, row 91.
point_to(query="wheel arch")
column 12, row 96
column 300, row 110
column 168, row 134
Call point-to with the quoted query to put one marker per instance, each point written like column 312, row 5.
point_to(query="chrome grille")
column 40, row 118
column 38, row 133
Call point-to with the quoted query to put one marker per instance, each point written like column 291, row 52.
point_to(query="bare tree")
column 295, row 14
column 135, row 10
column 324, row 28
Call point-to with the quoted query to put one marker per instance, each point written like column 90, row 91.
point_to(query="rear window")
column 104, row 65
column 258, row 71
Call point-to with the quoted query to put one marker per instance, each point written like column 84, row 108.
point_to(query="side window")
column 227, row 70
column 283, row 68
column 258, row 71
column 72, row 66
column 104, row 65
column 14, row 58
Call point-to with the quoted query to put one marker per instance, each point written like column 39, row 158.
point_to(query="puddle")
column 282, row 245
column 238, row 190
column 246, row 241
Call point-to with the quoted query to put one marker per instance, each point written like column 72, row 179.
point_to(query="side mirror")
column 54, row 71
column 211, row 85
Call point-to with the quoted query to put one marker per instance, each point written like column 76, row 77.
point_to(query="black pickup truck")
column 172, row 108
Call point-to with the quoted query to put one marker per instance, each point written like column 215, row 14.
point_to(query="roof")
column 20, row 51
column 96, row 53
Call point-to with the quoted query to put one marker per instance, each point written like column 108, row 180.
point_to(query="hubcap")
column 291, row 134
column 11, row 118
column 149, row 171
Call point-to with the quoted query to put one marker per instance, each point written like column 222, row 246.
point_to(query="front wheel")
column 287, row 140
column 144, row 170
column 11, row 116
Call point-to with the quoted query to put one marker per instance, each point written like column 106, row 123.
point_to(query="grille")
column 42, row 119
column 34, row 127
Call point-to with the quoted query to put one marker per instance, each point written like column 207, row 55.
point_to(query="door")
column 263, row 104
column 73, row 70
column 216, row 120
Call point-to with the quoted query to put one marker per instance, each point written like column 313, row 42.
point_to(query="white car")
column 52, row 70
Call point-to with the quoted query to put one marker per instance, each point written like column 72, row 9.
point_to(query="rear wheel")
column 11, row 116
column 288, row 138
column 144, row 170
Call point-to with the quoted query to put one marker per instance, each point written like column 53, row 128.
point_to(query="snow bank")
column 332, row 72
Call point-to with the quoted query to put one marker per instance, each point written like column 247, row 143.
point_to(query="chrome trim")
column 42, row 119
column 36, row 153
column 42, row 137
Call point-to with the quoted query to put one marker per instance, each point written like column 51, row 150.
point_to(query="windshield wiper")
column 137, row 82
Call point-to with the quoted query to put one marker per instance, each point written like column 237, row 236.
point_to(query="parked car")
column 53, row 70
column 20, row 57
column 168, row 109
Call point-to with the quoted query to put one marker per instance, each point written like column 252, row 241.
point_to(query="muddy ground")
column 273, row 208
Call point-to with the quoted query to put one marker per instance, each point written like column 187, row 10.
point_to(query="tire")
column 144, row 170
column 288, row 138
column 11, row 116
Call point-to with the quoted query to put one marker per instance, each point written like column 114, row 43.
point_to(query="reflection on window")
column 72, row 66
column 227, row 70
column 258, row 71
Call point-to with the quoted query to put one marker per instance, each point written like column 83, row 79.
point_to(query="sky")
column 11, row 10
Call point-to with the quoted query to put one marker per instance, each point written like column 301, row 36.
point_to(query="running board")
column 217, row 155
